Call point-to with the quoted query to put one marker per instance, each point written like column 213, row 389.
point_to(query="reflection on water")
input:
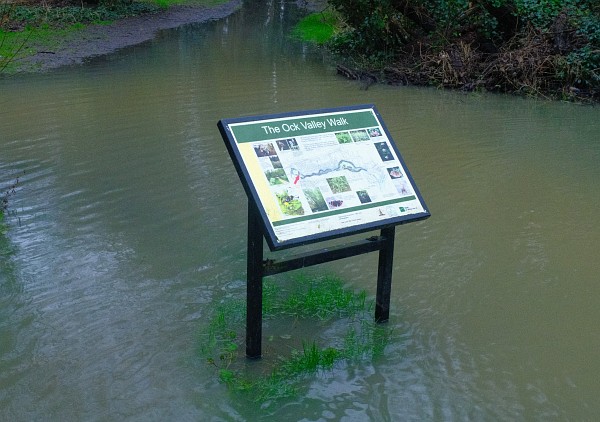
column 132, row 226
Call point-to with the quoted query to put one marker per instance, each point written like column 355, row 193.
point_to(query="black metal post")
column 384, row 275
column 257, row 268
column 254, row 276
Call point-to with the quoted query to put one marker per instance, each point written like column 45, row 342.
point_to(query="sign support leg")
column 254, row 276
column 384, row 276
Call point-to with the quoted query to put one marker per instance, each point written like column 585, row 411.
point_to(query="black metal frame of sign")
column 316, row 175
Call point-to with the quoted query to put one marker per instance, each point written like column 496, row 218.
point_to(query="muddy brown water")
column 128, row 227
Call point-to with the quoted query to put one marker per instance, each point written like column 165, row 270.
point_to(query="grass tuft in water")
column 219, row 343
column 310, row 360
column 322, row 298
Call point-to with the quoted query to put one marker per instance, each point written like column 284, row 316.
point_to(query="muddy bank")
column 98, row 40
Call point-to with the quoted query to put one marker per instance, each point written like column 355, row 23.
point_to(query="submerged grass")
column 322, row 298
column 318, row 299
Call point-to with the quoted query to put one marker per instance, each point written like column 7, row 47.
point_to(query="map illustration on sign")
column 321, row 174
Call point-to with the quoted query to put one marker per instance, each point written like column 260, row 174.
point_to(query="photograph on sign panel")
column 321, row 177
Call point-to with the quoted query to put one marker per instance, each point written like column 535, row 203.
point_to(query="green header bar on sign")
column 313, row 124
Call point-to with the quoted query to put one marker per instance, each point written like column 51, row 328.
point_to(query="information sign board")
column 320, row 174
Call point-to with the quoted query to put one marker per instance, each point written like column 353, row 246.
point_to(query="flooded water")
column 129, row 225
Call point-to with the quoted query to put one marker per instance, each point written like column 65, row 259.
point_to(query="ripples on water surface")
column 129, row 225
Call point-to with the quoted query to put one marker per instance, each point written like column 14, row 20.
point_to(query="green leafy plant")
column 315, row 199
column 338, row 184
column 343, row 137
column 276, row 177
column 289, row 204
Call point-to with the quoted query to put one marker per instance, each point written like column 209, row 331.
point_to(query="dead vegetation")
column 532, row 61
column 528, row 65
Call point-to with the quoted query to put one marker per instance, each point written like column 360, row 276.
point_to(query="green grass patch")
column 317, row 27
column 17, row 45
column 321, row 298
column 317, row 304
column 12, row 46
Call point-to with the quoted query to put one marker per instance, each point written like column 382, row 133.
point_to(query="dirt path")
column 98, row 40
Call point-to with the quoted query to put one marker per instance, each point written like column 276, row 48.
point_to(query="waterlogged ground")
column 127, row 240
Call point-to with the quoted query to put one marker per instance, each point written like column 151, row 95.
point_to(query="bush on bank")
column 539, row 47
